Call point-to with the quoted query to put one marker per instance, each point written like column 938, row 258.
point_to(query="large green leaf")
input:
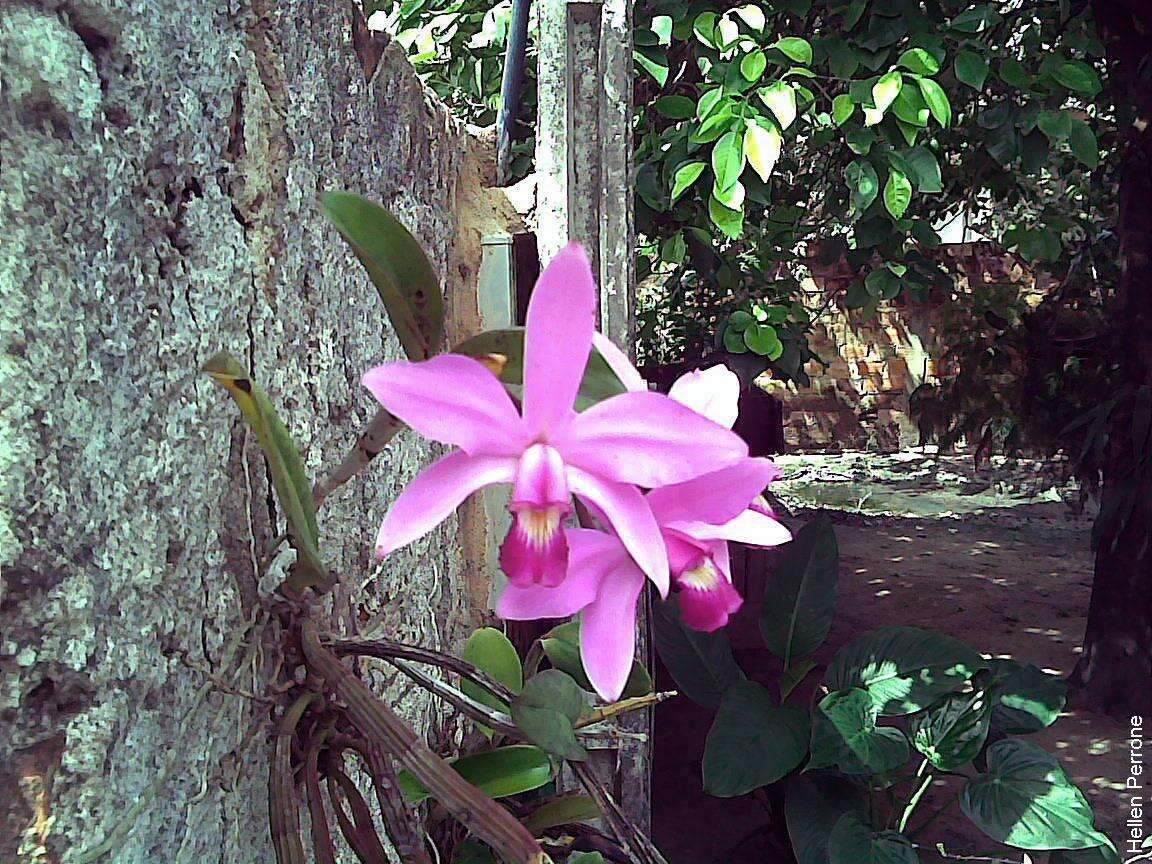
column 397, row 266
column 546, row 709
column 1103, row 854
column 845, row 735
column 686, row 175
column 1083, row 142
column 752, row 742
column 951, row 734
column 813, row 804
column 853, row 841
column 937, row 101
column 800, row 597
column 504, row 350
column 500, row 772
column 864, row 183
column 1024, row 698
column 562, row 647
column 292, row 486
column 490, row 650
column 728, row 160
column 1026, row 800
column 904, row 669
column 700, row 663
column 971, row 69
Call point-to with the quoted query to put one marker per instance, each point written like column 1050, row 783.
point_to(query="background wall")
column 161, row 167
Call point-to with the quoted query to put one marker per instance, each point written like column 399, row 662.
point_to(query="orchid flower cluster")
column 664, row 476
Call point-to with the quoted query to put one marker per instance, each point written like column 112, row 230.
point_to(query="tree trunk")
column 1114, row 675
column 158, row 202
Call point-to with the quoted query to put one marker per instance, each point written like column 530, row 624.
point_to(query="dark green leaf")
column 951, row 733
column 800, row 596
column 397, row 266
column 971, row 69
column 587, row 858
column 728, row 160
column 700, row 663
column 864, row 183
column 1078, row 76
column 1025, row 699
column 1083, row 142
column 853, row 841
column 292, row 486
column 925, row 169
column 905, row 669
column 1026, row 800
column 752, row 742
column 545, row 711
column 813, row 804
column 1103, row 854
column 762, row 339
column 792, row 677
column 653, row 61
column 1057, row 125
column 729, row 221
column 500, row 772
column 675, row 107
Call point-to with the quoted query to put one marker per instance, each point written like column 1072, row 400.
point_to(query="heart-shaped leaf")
column 1024, row 698
column 1026, row 800
column 845, row 735
column 813, row 805
column 952, row 733
column 853, row 841
column 752, row 742
column 904, row 669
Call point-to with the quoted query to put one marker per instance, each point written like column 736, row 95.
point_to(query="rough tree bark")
column 161, row 167
column 1115, row 674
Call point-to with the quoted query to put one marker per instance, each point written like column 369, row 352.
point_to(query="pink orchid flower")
column 546, row 450
column 697, row 518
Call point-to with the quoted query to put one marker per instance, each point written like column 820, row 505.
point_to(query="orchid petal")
column 558, row 339
column 592, row 555
column 619, row 363
column 715, row 497
column 608, row 631
column 648, row 439
column 436, row 492
column 713, row 392
column 626, row 510
column 751, row 527
column 452, row 399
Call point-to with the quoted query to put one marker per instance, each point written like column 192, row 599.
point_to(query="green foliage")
column 500, row 772
column 886, row 692
column 701, row 664
column 800, row 596
column 545, row 711
column 1026, row 800
column 489, row 650
column 778, row 124
column 752, row 742
column 562, row 647
column 397, row 266
column 292, row 486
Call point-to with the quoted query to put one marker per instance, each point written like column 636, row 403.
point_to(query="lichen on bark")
column 158, row 203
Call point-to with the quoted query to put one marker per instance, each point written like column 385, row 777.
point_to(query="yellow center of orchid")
column 539, row 524
column 701, row 577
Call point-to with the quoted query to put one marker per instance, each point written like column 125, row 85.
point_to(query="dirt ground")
column 999, row 558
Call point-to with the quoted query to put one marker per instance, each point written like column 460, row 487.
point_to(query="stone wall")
column 860, row 399
column 158, row 202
